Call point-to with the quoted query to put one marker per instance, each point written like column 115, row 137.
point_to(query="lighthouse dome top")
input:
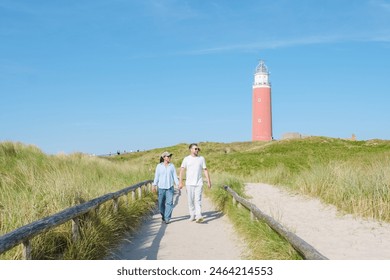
column 261, row 76
column 262, row 68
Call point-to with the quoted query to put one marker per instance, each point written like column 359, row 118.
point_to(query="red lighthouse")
column 261, row 105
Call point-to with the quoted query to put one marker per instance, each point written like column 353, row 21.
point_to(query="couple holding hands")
column 165, row 178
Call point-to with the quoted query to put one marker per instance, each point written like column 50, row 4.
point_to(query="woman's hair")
column 161, row 159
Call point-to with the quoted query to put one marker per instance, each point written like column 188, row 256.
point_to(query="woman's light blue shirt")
column 165, row 176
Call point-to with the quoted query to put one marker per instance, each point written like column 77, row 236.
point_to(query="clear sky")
column 97, row 76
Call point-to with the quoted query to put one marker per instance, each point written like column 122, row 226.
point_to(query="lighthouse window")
column 259, row 100
column 259, row 120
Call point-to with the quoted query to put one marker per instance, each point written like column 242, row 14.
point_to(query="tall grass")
column 356, row 180
column 262, row 242
column 352, row 175
column 34, row 185
column 356, row 187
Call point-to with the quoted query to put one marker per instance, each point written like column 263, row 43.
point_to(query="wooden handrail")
column 304, row 248
column 25, row 233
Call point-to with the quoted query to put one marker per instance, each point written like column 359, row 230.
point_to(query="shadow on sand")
column 145, row 244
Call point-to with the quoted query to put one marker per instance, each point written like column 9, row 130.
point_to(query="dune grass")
column 352, row 175
column 262, row 242
column 34, row 185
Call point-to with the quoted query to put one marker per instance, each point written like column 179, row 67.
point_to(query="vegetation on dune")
column 352, row 175
column 34, row 185
column 262, row 242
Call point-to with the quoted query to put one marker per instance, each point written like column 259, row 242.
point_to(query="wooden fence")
column 24, row 234
column 306, row 250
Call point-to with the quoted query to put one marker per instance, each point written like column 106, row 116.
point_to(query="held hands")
column 208, row 184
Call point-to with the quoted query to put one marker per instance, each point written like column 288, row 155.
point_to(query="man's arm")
column 206, row 173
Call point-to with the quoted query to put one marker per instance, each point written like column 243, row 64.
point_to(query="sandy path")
column 336, row 236
column 214, row 239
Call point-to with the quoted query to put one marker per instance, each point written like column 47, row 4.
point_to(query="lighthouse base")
column 262, row 138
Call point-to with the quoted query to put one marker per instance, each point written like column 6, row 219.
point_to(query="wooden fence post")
column 97, row 210
column 116, row 205
column 75, row 229
column 139, row 192
column 27, row 250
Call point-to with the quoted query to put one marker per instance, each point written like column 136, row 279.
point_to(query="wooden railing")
column 306, row 250
column 24, row 234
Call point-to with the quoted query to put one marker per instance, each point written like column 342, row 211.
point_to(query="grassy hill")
column 352, row 175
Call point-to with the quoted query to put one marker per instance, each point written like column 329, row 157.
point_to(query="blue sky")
column 100, row 76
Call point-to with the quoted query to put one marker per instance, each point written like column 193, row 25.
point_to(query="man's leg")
column 190, row 198
column 198, row 202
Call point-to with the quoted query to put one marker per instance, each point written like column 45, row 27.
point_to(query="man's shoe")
column 191, row 219
column 167, row 222
column 200, row 220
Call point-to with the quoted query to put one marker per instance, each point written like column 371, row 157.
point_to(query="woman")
column 165, row 178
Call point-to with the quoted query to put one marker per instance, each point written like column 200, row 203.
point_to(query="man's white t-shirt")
column 194, row 166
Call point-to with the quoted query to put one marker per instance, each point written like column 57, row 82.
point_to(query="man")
column 165, row 178
column 194, row 164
